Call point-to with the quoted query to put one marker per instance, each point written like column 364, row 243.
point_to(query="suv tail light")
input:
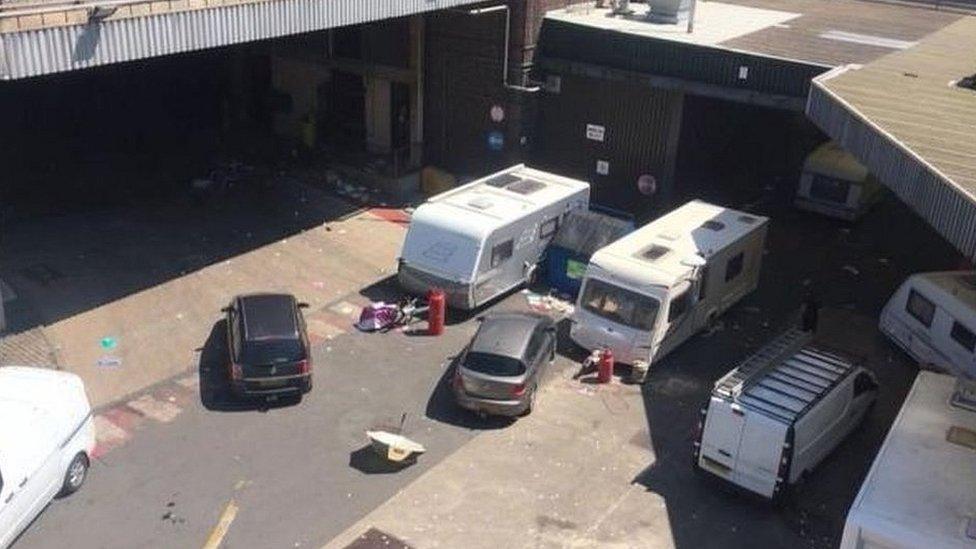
column 305, row 366
column 518, row 390
column 236, row 372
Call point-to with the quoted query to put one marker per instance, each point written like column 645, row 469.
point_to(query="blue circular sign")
column 496, row 140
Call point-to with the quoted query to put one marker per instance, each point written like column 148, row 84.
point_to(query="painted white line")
column 867, row 39
column 223, row 525
column 160, row 410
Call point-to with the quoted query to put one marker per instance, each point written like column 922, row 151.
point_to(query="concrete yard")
column 593, row 466
column 123, row 297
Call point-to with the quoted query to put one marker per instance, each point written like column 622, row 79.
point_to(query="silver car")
column 500, row 370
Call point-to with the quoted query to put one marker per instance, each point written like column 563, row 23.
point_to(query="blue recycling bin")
column 580, row 235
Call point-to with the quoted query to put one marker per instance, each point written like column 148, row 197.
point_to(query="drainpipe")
column 508, row 23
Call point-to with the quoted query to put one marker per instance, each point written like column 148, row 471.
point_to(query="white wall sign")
column 743, row 72
column 595, row 133
column 497, row 113
column 602, row 167
column 554, row 83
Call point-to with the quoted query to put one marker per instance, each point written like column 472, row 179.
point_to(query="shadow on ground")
column 63, row 265
column 366, row 460
column 215, row 392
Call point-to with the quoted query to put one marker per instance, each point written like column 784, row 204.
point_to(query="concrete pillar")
column 377, row 114
column 676, row 105
column 417, row 27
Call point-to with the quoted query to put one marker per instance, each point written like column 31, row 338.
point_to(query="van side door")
column 12, row 507
column 44, row 481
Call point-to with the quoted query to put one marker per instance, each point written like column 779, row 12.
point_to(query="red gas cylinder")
column 436, row 312
column 605, row 366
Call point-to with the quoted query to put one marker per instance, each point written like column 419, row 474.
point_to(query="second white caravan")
column 480, row 240
column 932, row 316
column 648, row 292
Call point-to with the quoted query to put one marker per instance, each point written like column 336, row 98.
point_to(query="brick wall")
column 463, row 81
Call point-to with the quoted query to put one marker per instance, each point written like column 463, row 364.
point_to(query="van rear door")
column 720, row 437
column 760, row 451
column 742, row 446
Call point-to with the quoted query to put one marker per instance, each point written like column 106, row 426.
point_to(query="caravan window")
column 921, row 308
column 619, row 305
column 501, row 252
column 734, row 266
column 679, row 305
column 829, row 189
column 549, row 228
column 963, row 336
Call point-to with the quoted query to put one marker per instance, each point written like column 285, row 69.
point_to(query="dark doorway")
column 346, row 108
column 400, row 122
column 733, row 153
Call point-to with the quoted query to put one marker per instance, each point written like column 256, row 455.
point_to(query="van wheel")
column 76, row 474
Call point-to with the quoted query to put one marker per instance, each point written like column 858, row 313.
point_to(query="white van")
column 835, row 184
column 648, row 292
column 932, row 316
column 480, row 240
column 47, row 437
column 780, row 413
column 920, row 490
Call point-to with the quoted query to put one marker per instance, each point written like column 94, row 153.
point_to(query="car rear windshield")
column 272, row 351
column 493, row 365
column 620, row 305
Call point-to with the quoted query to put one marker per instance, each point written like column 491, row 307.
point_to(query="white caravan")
column 480, row 240
column 932, row 316
column 780, row 413
column 47, row 437
column 920, row 490
column 648, row 292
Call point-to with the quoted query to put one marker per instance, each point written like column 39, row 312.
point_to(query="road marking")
column 223, row 525
column 108, row 436
column 160, row 410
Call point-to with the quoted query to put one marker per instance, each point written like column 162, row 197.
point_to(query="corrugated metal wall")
column 948, row 210
column 32, row 53
column 643, row 54
column 641, row 134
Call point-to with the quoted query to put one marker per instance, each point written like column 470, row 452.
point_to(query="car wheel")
column 76, row 474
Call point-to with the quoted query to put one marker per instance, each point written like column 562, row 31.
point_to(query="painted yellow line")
column 223, row 525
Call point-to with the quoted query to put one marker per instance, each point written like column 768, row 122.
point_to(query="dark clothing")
column 809, row 317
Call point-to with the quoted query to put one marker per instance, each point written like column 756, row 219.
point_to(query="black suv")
column 268, row 346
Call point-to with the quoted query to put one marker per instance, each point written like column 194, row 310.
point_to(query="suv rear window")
column 272, row 351
column 493, row 365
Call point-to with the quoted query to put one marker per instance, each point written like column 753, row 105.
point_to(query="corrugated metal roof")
column 903, row 118
column 32, row 53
